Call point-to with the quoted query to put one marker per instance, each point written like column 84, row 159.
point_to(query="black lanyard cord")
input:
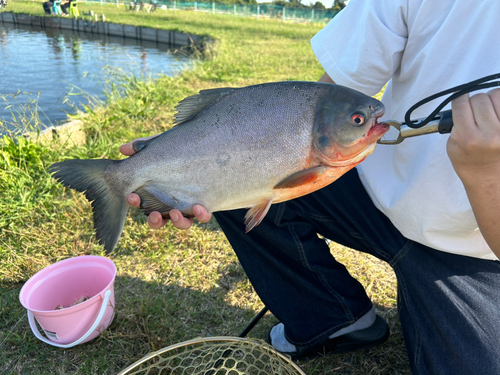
column 456, row 91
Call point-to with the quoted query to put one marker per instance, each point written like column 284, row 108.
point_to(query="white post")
column 234, row 9
column 258, row 11
column 312, row 15
column 283, row 15
column 195, row 6
column 174, row 5
column 117, row 3
column 213, row 7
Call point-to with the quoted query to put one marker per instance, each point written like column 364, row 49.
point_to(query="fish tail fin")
column 109, row 209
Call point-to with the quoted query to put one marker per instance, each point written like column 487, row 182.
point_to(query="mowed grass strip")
column 171, row 285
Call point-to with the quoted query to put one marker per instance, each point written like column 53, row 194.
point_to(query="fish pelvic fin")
column 255, row 214
column 109, row 209
column 301, row 178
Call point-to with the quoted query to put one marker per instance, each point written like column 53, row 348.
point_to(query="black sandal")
column 366, row 338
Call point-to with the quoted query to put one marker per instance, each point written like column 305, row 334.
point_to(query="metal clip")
column 398, row 140
column 442, row 123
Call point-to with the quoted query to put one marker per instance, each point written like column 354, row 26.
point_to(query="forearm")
column 484, row 196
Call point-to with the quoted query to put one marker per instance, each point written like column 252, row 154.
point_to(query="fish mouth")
column 378, row 129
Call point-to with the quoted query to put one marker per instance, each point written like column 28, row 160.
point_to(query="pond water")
column 49, row 69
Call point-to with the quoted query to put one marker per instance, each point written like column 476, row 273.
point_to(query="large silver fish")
column 234, row 148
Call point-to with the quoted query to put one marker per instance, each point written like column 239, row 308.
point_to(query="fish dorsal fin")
column 255, row 214
column 189, row 107
column 301, row 178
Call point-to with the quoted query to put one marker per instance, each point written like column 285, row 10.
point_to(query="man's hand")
column 155, row 220
column 474, row 150
column 474, row 143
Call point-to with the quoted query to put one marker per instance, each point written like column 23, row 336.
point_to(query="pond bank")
column 135, row 34
column 107, row 28
column 50, row 73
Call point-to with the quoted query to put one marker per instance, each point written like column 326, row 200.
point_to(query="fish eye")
column 357, row 119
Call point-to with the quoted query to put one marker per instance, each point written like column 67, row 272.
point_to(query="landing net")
column 215, row 356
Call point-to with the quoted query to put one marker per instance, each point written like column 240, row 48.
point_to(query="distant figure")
column 3, row 3
column 65, row 6
column 338, row 5
column 47, row 6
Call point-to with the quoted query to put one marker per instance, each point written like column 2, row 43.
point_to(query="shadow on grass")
column 152, row 315
column 149, row 316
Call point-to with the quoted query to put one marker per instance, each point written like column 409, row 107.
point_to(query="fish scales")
column 234, row 148
column 275, row 146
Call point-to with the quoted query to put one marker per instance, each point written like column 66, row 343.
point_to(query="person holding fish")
column 429, row 206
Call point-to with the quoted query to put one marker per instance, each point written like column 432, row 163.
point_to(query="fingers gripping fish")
column 233, row 148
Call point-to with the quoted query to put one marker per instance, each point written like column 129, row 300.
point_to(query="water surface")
column 40, row 67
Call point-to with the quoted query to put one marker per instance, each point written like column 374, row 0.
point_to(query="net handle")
column 255, row 320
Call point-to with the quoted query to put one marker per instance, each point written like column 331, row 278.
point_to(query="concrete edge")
column 108, row 28
column 72, row 131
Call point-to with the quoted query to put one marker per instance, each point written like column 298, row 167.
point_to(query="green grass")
column 171, row 285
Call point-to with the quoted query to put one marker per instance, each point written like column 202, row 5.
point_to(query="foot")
column 365, row 338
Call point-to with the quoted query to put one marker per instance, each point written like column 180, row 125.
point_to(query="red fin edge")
column 255, row 214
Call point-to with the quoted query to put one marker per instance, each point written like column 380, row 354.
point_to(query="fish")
column 231, row 148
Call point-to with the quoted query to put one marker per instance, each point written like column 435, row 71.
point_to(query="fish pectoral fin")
column 189, row 107
column 255, row 214
column 150, row 203
column 301, row 178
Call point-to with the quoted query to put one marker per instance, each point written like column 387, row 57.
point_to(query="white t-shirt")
column 421, row 47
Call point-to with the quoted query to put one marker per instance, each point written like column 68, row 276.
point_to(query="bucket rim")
column 70, row 309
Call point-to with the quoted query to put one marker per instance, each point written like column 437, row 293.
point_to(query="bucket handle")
column 37, row 333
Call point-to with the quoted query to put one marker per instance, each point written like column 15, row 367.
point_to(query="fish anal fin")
column 301, row 178
column 153, row 199
column 255, row 214
column 150, row 203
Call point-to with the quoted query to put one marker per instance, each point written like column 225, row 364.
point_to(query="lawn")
column 171, row 285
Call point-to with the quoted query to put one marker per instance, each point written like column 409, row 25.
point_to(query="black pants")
column 47, row 7
column 448, row 304
column 65, row 7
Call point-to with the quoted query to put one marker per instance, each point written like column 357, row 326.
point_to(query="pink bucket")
column 63, row 283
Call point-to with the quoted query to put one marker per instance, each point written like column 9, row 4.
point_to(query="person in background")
column 429, row 207
column 65, row 6
column 47, row 7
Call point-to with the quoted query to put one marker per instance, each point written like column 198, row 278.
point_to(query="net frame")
column 233, row 344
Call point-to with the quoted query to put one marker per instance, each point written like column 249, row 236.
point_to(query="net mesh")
column 215, row 356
